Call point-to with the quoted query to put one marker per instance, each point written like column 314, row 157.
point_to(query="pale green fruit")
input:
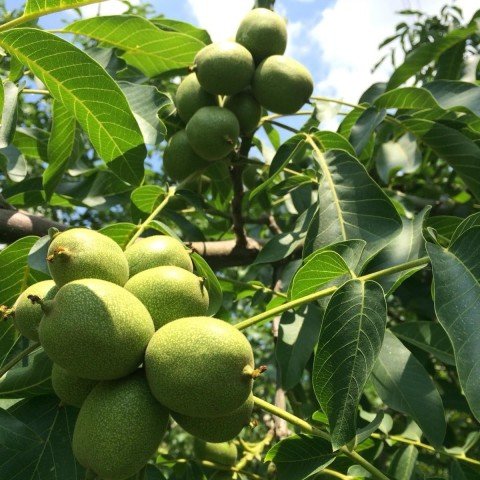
column 27, row 315
column 247, row 110
column 199, row 366
column 218, row 429
column 224, row 453
column 95, row 329
column 213, row 132
column 157, row 251
column 179, row 159
column 81, row 253
column 224, row 68
column 70, row 389
column 119, row 427
column 190, row 97
column 169, row 293
column 263, row 33
column 281, row 84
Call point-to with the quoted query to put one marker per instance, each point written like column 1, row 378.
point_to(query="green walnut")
column 27, row 315
column 224, row 453
column 169, row 293
column 119, row 427
column 70, row 389
column 190, row 97
column 179, row 159
column 281, row 84
column 224, row 68
column 218, row 429
column 247, row 110
column 200, row 366
column 95, row 329
column 213, row 132
column 263, row 33
column 82, row 253
column 157, row 251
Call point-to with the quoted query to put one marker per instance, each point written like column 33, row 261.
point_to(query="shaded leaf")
column 9, row 112
column 429, row 336
column 469, row 222
column 93, row 97
column 146, row 47
column 13, row 164
column 297, row 335
column 349, row 343
column 404, row 385
column 212, row 284
column 300, row 456
column 456, row 273
column 403, row 463
column 364, row 127
column 444, row 225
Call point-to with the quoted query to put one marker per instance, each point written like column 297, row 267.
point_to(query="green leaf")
column 297, row 335
column 37, row 256
column 14, row 260
column 444, row 225
column 13, row 163
column 170, row 25
column 88, row 92
column 345, row 185
column 14, row 434
column 320, row 269
column 52, row 457
column 403, row 463
column 300, row 456
column 424, row 54
column 327, row 141
column 212, row 284
column 408, row 245
column 147, row 198
column 28, row 380
column 427, row 335
column 469, row 222
column 145, row 101
column 397, row 155
column 120, row 232
column 146, row 47
column 292, row 149
column 10, row 341
column 32, row 142
column 456, row 273
column 441, row 94
column 364, row 127
column 367, row 430
column 44, row 7
column 62, row 147
column 404, row 385
column 349, row 343
column 462, row 154
column 9, row 113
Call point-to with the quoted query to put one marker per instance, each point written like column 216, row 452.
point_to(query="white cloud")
column 220, row 17
column 112, row 7
column 348, row 35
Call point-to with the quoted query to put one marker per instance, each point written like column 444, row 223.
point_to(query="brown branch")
column 236, row 171
column 219, row 254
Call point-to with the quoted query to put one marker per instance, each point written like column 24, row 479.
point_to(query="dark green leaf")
column 444, row 225
column 429, row 336
column 403, row 463
column 50, row 459
column 90, row 97
column 297, row 335
column 332, row 141
column 456, row 272
column 404, row 385
column 469, row 222
column 344, row 186
column 365, row 432
column 300, row 456
column 212, row 284
column 14, row 434
column 146, row 47
column 349, row 343
column 364, row 127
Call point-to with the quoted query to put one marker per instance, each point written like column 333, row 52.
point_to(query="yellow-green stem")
column 18, row 358
column 306, row 427
column 35, row 91
column 32, row 16
column 327, row 292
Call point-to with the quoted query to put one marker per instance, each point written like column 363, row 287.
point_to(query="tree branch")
column 219, row 254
